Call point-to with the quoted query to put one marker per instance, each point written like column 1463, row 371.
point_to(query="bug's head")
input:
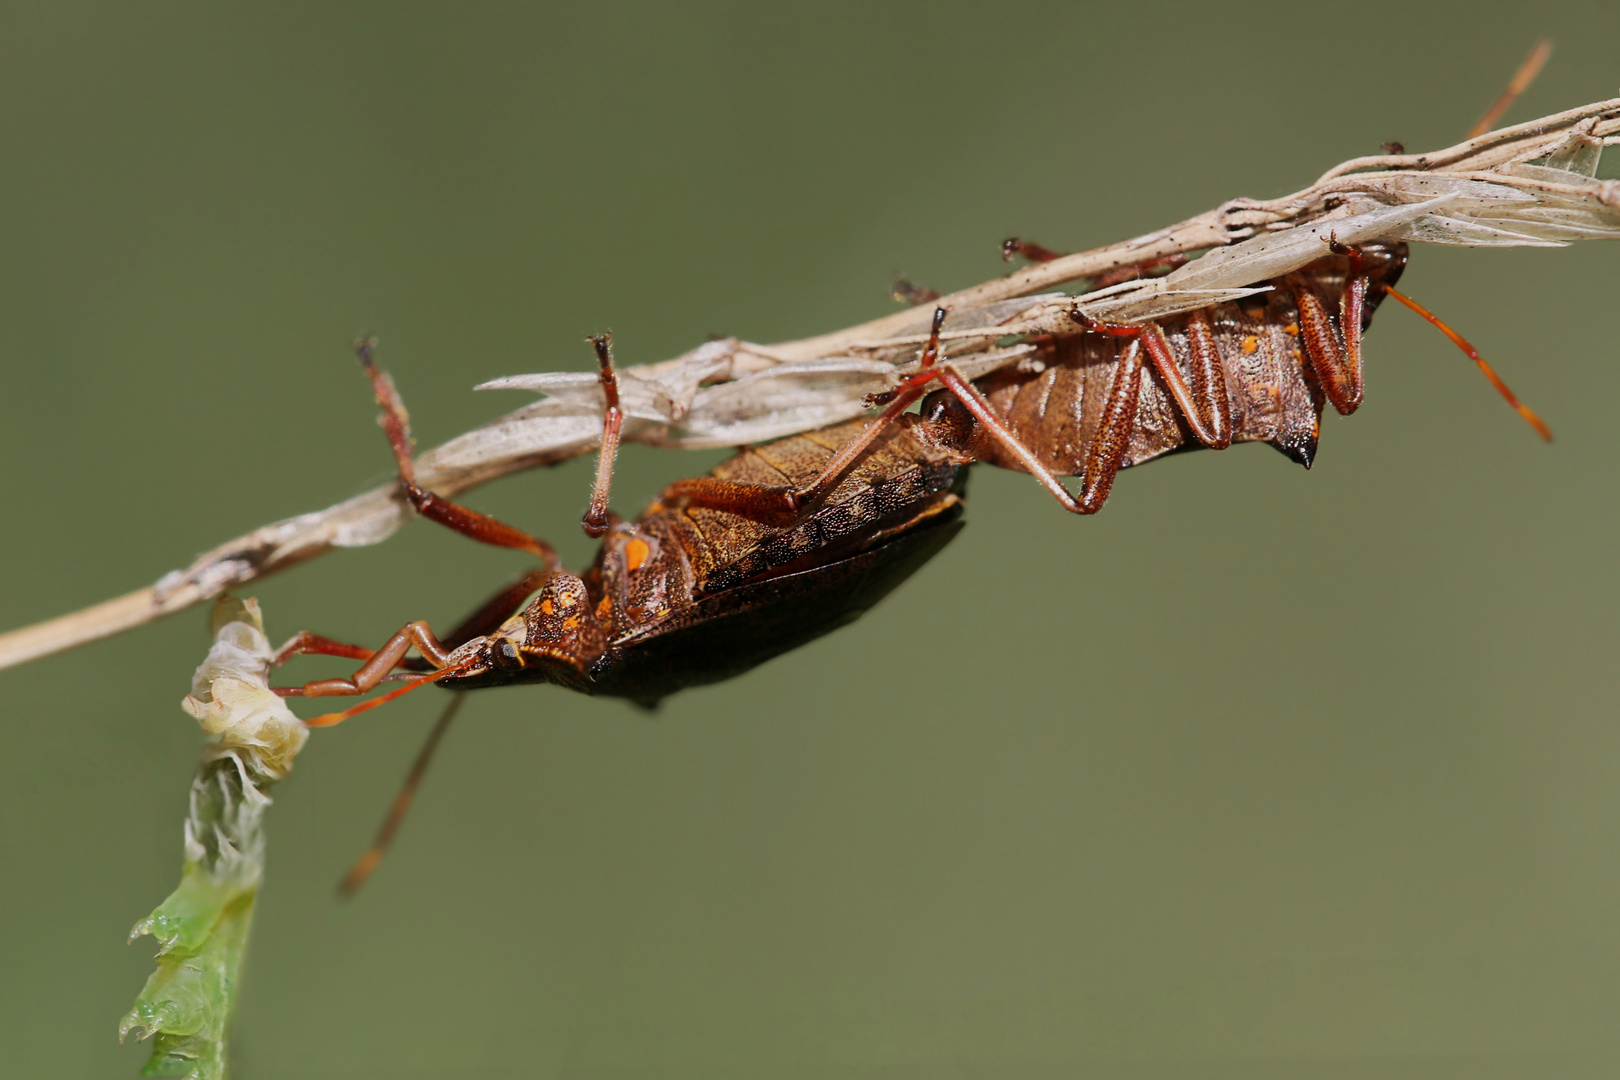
column 560, row 633
column 944, row 422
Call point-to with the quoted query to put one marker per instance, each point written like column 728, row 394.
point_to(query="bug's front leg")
column 1204, row 403
column 415, row 635
column 469, row 523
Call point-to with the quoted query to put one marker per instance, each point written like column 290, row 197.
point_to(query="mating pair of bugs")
column 785, row 542
column 788, row 541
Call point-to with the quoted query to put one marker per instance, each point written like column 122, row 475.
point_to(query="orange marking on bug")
column 605, row 608
column 571, row 623
column 1292, row 329
column 635, row 553
column 545, row 607
column 1251, row 345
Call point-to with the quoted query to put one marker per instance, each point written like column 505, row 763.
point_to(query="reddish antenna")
column 1520, row 83
column 1473, row 354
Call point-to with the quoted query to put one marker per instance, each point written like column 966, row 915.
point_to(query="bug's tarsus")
column 907, row 292
column 597, row 519
column 395, row 421
column 1013, row 247
column 1108, row 329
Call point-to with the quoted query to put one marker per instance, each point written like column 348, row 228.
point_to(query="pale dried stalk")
column 1477, row 193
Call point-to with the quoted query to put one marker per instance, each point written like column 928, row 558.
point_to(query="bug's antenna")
column 596, row 518
column 331, row 718
column 1473, row 354
column 1517, row 85
column 368, row 862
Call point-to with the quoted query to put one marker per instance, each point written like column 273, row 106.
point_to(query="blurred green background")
column 1260, row 773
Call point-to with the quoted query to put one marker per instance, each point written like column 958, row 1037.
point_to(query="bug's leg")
column 373, row 855
column 496, row 610
column 777, row 507
column 1334, row 352
column 469, row 523
column 784, row 505
column 1103, row 457
column 1108, row 446
column 596, row 518
column 1204, row 403
column 373, row 671
column 305, row 643
column 485, row 620
column 907, row 292
column 378, row 664
column 1013, row 247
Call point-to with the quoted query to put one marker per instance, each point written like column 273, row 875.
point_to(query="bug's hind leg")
column 1203, row 402
column 1104, row 455
column 469, row 523
column 1107, row 450
column 1333, row 346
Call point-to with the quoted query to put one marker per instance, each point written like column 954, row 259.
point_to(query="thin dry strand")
column 1480, row 192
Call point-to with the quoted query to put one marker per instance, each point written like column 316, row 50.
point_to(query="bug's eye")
column 505, row 655
column 951, row 420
